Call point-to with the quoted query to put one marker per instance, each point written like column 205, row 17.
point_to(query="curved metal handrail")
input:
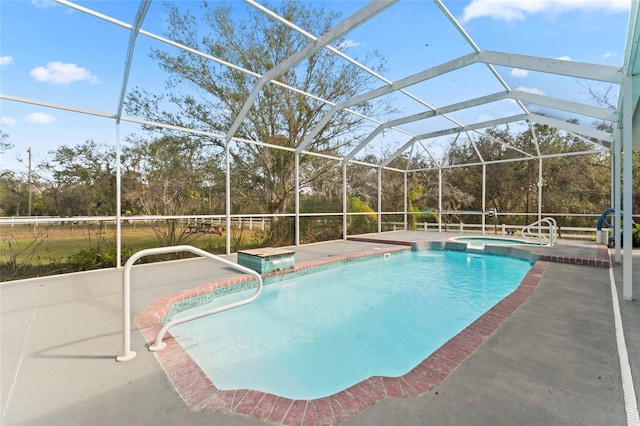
column 551, row 222
column 126, row 296
column 603, row 219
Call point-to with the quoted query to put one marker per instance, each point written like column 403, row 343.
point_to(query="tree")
column 10, row 189
column 361, row 223
column 4, row 142
column 279, row 116
column 81, row 180
column 171, row 176
column 571, row 184
column 13, row 194
column 363, row 181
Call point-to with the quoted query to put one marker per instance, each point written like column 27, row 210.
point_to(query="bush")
column 96, row 258
column 361, row 224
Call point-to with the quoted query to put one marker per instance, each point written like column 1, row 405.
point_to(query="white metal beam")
column 142, row 12
column 535, row 139
column 158, row 124
column 475, row 147
column 484, row 196
column 574, row 69
column 564, row 105
column 364, row 143
column 425, row 115
column 508, row 160
column 492, row 123
column 385, row 90
column 474, row 126
column 429, row 154
column 476, row 48
column 540, row 186
column 616, row 162
column 632, row 45
column 505, row 144
column 453, row 144
column 533, row 63
column 451, row 131
column 297, row 198
column 575, row 128
column 406, row 196
column 604, row 146
column 380, row 200
column 225, row 63
column 560, row 104
column 439, row 199
column 331, row 49
column 339, row 30
column 344, row 201
column 627, row 186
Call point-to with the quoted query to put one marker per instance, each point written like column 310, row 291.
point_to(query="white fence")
column 566, row 232
column 250, row 221
column 261, row 222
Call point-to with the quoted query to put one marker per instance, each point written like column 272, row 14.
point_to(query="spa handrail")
column 549, row 221
column 128, row 354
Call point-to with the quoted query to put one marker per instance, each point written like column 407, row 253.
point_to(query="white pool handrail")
column 127, row 353
column 527, row 231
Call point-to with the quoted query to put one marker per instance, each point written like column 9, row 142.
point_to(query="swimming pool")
column 481, row 241
column 313, row 336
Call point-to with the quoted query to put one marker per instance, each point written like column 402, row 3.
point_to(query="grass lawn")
column 43, row 245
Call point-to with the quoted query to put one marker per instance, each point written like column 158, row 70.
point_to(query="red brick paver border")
column 602, row 259
column 199, row 393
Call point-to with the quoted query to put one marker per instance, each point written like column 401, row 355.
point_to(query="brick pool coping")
column 601, row 260
column 200, row 394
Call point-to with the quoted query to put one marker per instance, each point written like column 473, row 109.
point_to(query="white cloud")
column 530, row 90
column 565, row 58
column 6, row 60
column 62, row 73
column 42, row 4
column 39, row 118
column 347, row 44
column 7, row 121
column 609, row 54
column 517, row 72
column 518, row 10
column 484, row 117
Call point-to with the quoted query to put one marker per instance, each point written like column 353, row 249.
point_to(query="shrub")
column 361, row 224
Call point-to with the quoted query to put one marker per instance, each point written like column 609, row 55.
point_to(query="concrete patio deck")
column 553, row 361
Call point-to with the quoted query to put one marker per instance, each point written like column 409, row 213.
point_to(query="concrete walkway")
column 554, row 361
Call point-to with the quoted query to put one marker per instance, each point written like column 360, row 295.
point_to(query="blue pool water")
column 317, row 334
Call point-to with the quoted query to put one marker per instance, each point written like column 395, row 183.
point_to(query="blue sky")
column 55, row 54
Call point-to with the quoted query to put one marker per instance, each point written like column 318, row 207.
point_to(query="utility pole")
column 29, row 178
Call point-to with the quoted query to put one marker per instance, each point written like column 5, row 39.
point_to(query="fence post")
column 425, row 226
column 461, row 227
column 504, row 229
column 250, row 223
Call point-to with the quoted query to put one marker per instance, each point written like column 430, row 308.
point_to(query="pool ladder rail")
column 538, row 234
column 127, row 353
